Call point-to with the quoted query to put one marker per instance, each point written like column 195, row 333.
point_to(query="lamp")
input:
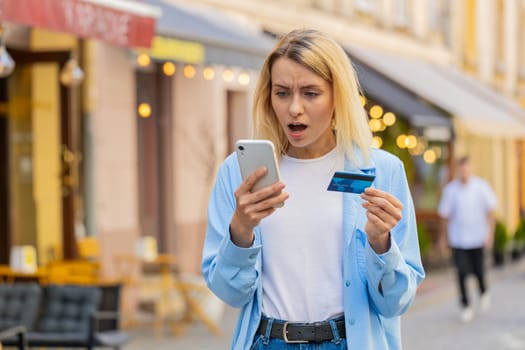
column 146, row 248
column 7, row 65
column 23, row 258
column 71, row 75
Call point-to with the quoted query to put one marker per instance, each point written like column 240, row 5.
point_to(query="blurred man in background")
column 467, row 209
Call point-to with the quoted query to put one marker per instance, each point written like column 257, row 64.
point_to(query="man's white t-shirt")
column 302, row 244
column 466, row 206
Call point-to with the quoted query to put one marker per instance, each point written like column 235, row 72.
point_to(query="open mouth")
column 297, row 127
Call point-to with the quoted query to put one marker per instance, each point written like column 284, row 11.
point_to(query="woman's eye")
column 281, row 93
column 311, row 94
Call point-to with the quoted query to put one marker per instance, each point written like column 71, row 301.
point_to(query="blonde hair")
column 323, row 56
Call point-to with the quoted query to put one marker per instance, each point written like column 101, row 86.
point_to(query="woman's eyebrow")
column 310, row 86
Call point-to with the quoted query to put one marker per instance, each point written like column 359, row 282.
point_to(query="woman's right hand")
column 252, row 207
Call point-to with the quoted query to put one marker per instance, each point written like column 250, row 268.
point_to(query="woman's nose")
column 296, row 107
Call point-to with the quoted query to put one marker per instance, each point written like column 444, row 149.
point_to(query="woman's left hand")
column 383, row 212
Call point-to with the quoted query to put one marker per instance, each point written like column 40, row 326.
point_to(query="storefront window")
column 521, row 55
column 402, row 15
column 439, row 22
column 367, row 6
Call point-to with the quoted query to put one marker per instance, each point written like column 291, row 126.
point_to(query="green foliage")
column 424, row 239
column 519, row 235
column 501, row 239
column 389, row 144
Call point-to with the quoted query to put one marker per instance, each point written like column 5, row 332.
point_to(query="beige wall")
column 495, row 160
column 113, row 123
column 282, row 16
column 200, row 145
column 486, row 39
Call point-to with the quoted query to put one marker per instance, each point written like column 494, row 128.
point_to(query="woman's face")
column 304, row 105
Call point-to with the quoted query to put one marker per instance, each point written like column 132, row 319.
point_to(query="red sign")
column 82, row 18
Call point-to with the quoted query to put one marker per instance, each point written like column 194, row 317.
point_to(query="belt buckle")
column 285, row 336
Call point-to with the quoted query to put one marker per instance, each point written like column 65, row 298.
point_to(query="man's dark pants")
column 469, row 261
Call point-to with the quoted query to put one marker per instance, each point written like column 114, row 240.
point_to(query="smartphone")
column 253, row 154
column 344, row 181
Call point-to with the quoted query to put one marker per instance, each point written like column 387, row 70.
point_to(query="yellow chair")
column 202, row 304
column 73, row 272
column 88, row 248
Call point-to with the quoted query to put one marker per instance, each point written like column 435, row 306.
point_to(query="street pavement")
column 432, row 323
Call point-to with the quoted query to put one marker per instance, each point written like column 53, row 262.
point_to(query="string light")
column 228, row 75
column 401, row 141
column 168, row 68
column 377, row 142
column 244, row 79
column 189, row 71
column 389, row 118
column 429, row 156
column 376, row 112
column 374, row 124
column 363, row 100
column 143, row 60
column 410, row 141
column 208, row 73
column 144, row 110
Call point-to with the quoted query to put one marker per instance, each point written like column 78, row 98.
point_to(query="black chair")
column 74, row 317
column 19, row 304
column 18, row 332
column 105, row 323
column 65, row 320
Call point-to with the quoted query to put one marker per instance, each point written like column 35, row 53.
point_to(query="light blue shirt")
column 372, row 314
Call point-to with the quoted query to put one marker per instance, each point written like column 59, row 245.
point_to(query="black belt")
column 292, row 332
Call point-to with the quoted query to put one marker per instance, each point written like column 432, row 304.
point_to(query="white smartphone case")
column 253, row 154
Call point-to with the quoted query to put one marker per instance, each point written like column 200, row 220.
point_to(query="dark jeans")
column 469, row 261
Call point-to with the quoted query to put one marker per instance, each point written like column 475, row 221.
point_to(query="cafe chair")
column 202, row 304
column 16, row 331
column 88, row 248
column 81, row 272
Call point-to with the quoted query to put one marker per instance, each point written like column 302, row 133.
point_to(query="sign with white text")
column 82, row 18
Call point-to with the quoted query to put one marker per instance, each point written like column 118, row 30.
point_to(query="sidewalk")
column 431, row 323
column 196, row 336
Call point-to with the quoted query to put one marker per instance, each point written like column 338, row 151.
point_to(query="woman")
column 332, row 269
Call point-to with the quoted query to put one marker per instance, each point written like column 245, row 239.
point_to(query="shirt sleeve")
column 490, row 197
column 445, row 204
column 393, row 277
column 229, row 270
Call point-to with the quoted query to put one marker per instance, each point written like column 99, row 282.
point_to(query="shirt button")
column 252, row 256
column 378, row 265
column 347, row 283
column 351, row 321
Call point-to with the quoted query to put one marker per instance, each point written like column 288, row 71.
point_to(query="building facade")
column 46, row 109
column 134, row 149
column 472, row 48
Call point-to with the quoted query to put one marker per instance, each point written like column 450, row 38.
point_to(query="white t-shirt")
column 302, row 244
column 466, row 207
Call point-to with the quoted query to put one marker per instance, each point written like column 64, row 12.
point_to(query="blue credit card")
column 343, row 181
